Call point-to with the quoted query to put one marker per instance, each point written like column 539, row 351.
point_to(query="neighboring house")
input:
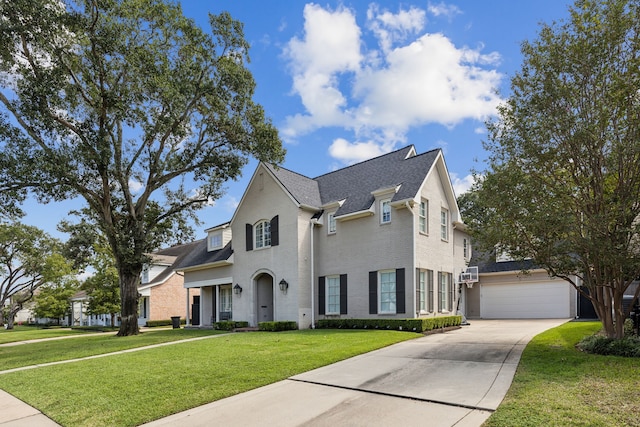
column 79, row 313
column 381, row 238
column 162, row 291
column 504, row 291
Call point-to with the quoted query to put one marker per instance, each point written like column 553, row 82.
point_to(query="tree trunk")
column 129, row 303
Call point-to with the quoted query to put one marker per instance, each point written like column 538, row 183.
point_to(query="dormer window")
column 385, row 211
column 332, row 223
column 215, row 241
column 263, row 234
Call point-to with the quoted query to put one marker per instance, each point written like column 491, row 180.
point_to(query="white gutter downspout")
column 312, row 261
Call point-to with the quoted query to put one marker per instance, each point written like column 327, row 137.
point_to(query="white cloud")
column 390, row 28
column 354, row 152
column 461, row 185
column 135, row 186
column 331, row 46
column 409, row 79
column 443, row 9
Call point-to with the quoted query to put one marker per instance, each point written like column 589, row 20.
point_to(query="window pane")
column 333, row 295
column 421, row 288
column 332, row 223
column 388, row 292
column 386, row 211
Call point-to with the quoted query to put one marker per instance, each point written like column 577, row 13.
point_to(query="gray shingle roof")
column 178, row 252
column 303, row 189
column 486, row 263
column 355, row 183
column 199, row 255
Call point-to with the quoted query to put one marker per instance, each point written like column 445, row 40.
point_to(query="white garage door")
column 525, row 300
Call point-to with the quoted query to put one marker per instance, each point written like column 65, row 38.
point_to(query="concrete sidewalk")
column 453, row 379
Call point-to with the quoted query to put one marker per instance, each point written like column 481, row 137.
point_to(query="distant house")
column 378, row 239
column 162, row 291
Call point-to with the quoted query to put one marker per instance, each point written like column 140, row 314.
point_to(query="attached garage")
column 525, row 300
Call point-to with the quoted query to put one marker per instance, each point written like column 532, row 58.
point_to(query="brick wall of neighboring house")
column 169, row 299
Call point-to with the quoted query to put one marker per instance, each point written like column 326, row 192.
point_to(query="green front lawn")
column 52, row 351
column 134, row 388
column 558, row 385
column 25, row 333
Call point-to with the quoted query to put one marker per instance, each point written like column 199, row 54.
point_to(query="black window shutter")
column 400, row 299
column 321, row 293
column 275, row 241
column 343, row 294
column 373, row 292
column 249, row 237
column 418, row 290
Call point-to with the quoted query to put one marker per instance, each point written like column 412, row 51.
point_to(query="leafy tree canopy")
column 130, row 106
column 563, row 182
column 29, row 259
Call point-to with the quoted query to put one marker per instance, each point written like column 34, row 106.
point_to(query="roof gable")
column 356, row 184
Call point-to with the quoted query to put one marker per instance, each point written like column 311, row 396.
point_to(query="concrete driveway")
column 453, row 379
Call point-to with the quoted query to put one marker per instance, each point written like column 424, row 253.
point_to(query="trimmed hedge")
column 229, row 325
column 410, row 325
column 164, row 322
column 277, row 326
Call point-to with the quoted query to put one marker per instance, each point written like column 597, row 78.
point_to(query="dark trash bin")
column 175, row 321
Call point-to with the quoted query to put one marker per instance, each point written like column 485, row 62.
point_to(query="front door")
column 264, row 285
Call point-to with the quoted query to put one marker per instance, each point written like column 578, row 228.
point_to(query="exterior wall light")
column 283, row 285
column 237, row 289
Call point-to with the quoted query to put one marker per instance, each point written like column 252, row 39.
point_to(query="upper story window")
column 385, row 210
column 444, row 224
column 332, row 223
column 263, row 234
column 423, row 214
column 466, row 249
column 215, row 241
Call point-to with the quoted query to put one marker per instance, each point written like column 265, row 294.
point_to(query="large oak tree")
column 130, row 106
column 563, row 182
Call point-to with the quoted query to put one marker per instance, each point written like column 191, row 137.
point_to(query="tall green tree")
column 29, row 259
column 103, row 286
column 130, row 106
column 563, row 182
column 54, row 301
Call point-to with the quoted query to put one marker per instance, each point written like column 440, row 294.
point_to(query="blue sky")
column 346, row 81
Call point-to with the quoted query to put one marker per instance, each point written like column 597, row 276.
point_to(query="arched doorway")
column 264, row 292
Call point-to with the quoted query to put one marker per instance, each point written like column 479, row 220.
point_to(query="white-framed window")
column 332, row 284
column 422, row 285
column 466, row 249
column 444, row 224
column 445, row 291
column 331, row 219
column 430, row 291
column 225, row 299
column 262, row 234
column 423, row 214
column 387, row 289
column 385, row 211
column 215, row 241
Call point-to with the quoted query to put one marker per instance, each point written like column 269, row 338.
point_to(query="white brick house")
column 381, row 238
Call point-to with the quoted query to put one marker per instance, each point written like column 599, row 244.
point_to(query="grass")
column 134, row 388
column 77, row 347
column 558, row 385
column 24, row 333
